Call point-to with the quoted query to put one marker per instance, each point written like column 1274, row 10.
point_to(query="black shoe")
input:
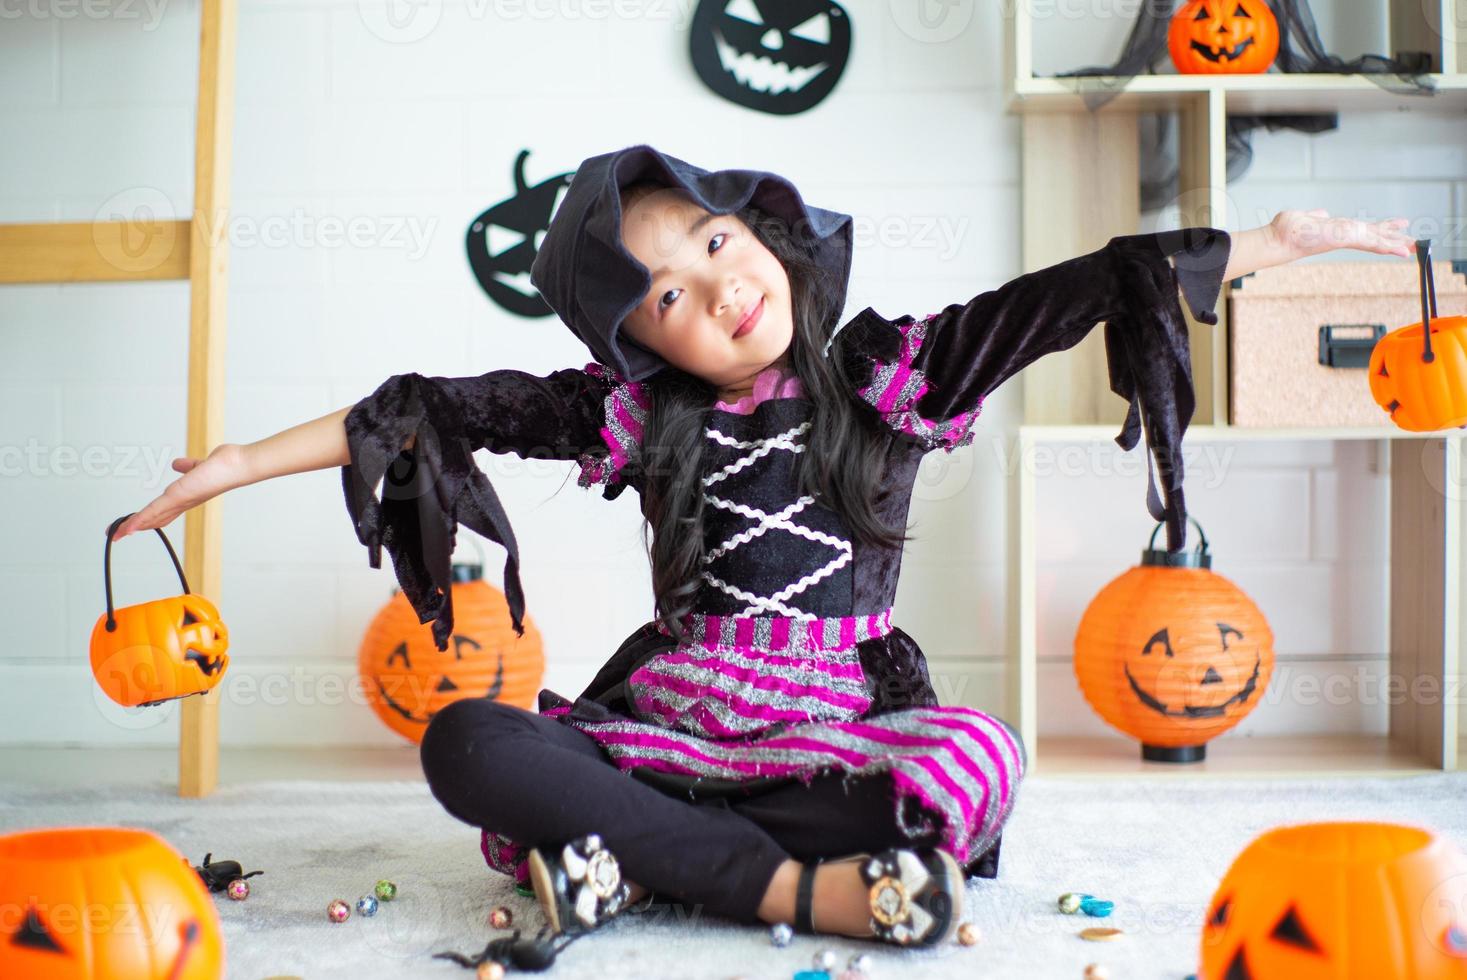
column 916, row 896
column 579, row 885
column 987, row 865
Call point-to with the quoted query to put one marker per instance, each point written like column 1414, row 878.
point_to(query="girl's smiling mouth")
column 750, row 319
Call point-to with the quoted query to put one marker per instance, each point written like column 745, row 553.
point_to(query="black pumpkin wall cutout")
column 777, row 56
column 503, row 240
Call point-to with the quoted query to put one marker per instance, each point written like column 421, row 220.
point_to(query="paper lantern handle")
column 463, row 571
column 1200, row 559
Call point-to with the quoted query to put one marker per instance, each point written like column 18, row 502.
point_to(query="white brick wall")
column 415, row 136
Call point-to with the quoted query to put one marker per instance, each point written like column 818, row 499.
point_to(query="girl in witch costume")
column 771, row 719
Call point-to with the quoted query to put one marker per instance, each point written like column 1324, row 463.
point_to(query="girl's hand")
column 223, row 469
column 1302, row 233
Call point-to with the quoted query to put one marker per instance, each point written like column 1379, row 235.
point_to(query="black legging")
column 539, row 781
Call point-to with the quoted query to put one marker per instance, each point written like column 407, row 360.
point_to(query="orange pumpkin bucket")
column 1419, row 376
column 407, row 679
column 1340, row 901
column 1223, row 37
column 104, row 903
column 157, row 651
column 1173, row 654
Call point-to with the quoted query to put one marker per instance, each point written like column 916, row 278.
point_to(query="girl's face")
column 709, row 272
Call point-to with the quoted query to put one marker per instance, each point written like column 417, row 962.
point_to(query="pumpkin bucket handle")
column 107, row 565
column 1428, row 290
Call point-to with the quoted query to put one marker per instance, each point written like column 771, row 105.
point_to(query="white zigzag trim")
column 813, row 577
column 776, row 601
column 758, row 603
column 761, row 447
column 764, row 522
column 769, row 520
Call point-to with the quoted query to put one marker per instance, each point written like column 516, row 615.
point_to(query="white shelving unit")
column 1069, row 210
column 1425, row 624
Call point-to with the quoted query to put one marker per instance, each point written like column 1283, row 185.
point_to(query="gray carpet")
column 1157, row 848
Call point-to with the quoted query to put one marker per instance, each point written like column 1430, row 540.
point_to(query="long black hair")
column 841, row 465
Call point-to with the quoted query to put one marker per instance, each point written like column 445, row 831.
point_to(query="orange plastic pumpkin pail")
column 1223, row 37
column 157, row 651
column 1418, row 373
column 104, row 903
column 1340, row 901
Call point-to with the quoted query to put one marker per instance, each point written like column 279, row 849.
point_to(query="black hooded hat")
column 592, row 282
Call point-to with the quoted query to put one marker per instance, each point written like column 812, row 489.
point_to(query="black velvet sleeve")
column 926, row 379
column 428, row 490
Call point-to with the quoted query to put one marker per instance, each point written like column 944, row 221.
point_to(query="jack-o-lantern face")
column 407, row 680
column 1422, row 395
column 83, row 903
column 777, row 56
column 417, row 694
column 1205, row 686
column 160, row 650
column 1223, row 37
column 1340, row 901
column 502, row 241
column 203, row 635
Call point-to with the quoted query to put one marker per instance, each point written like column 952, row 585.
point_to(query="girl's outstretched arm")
column 415, row 437
column 927, row 378
column 312, row 445
column 1297, row 234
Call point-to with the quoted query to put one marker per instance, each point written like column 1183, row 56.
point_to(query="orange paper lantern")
column 157, row 651
column 103, row 903
column 1173, row 654
column 408, row 679
column 1223, row 37
column 1420, row 376
column 1340, row 901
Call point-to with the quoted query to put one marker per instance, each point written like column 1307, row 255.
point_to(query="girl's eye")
column 664, row 302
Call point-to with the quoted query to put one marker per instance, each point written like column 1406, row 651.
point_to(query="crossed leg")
column 536, row 780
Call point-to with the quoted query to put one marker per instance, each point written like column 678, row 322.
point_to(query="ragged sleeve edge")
column 877, row 356
column 1199, row 259
column 625, row 409
column 438, row 488
column 374, row 440
column 1152, row 369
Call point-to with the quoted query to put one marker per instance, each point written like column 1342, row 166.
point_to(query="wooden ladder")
column 131, row 250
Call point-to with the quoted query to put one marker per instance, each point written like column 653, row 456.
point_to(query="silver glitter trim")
column 718, row 691
column 697, row 626
column 964, row 839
